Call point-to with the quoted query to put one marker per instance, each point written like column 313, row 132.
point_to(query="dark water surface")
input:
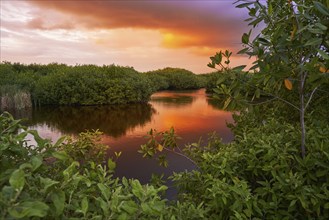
column 191, row 113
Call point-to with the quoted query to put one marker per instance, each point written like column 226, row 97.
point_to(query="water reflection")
column 172, row 99
column 215, row 103
column 191, row 113
column 25, row 113
column 114, row 121
column 219, row 104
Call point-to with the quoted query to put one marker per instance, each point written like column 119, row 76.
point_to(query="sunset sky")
column 144, row 34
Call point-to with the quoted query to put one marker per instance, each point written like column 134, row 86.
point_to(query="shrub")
column 261, row 174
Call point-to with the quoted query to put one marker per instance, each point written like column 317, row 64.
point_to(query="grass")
column 12, row 97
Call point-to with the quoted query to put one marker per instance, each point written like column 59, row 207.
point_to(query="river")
column 192, row 114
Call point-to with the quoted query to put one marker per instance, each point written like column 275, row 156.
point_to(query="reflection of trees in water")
column 112, row 120
column 219, row 105
column 24, row 114
column 177, row 100
column 215, row 103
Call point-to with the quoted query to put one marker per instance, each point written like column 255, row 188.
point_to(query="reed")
column 12, row 97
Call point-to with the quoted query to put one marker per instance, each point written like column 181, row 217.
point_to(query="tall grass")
column 14, row 98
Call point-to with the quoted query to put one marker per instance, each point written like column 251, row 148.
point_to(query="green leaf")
column 46, row 183
column 29, row 209
column 244, row 5
column 130, row 207
column 245, row 38
column 270, row 8
column 146, row 208
column 292, row 203
column 255, row 22
column 239, row 68
column 321, row 26
column 40, row 141
column 59, row 141
column 227, row 102
column 36, row 162
column 218, row 58
column 323, row 54
column 211, row 65
column 7, row 193
column 137, row 189
column 313, row 42
column 111, row 164
column 21, row 136
column 25, row 166
column 243, row 51
column 68, row 172
column 61, row 155
column 103, row 205
column 84, row 205
column 320, row 173
column 321, row 8
column 263, row 41
column 104, row 190
column 17, row 179
column 58, row 199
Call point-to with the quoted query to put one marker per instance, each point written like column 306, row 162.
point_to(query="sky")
column 144, row 34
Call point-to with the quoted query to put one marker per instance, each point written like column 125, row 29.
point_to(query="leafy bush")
column 50, row 181
column 174, row 79
column 59, row 84
column 261, row 174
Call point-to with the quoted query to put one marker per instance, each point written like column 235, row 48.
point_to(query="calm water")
column 191, row 113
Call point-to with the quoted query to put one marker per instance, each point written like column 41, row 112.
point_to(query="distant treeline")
column 61, row 84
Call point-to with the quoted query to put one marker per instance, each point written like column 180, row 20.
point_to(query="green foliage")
column 67, row 180
column 261, row 174
column 159, row 143
column 291, row 66
column 174, row 79
column 53, row 184
column 89, row 85
column 58, row 84
column 289, row 55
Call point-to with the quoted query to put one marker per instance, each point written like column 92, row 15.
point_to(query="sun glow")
column 147, row 35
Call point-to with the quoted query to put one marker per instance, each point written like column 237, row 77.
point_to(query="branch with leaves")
column 160, row 142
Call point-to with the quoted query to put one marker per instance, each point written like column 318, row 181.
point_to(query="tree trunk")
column 302, row 113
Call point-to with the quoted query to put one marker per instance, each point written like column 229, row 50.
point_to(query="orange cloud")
column 183, row 23
column 39, row 23
column 146, row 34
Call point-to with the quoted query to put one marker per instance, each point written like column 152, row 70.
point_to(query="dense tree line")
column 175, row 79
column 60, row 84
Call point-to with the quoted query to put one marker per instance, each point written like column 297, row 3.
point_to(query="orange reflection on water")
column 189, row 113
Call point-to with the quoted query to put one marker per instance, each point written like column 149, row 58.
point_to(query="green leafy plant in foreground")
column 291, row 54
column 260, row 175
column 67, row 180
column 32, row 186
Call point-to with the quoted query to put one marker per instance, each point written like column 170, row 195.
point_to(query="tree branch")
column 309, row 100
column 183, row 155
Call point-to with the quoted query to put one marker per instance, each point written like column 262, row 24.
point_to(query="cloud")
column 147, row 35
column 39, row 23
column 182, row 23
